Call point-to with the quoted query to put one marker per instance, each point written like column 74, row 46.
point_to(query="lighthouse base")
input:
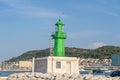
column 57, row 65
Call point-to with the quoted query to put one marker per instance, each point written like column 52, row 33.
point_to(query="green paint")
column 59, row 36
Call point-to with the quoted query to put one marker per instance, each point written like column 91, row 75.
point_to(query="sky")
column 28, row 24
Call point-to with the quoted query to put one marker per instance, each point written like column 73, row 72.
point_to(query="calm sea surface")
column 8, row 73
column 81, row 72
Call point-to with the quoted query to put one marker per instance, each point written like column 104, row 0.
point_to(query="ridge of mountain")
column 100, row 53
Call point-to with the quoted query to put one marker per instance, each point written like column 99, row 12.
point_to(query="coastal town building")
column 25, row 64
column 115, row 59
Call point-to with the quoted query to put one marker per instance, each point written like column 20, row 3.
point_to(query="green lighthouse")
column 59, row 37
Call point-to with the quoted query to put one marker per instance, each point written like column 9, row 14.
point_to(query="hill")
column 102, row 52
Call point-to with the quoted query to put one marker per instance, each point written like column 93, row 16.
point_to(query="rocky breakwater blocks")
column 41, row 76
column 50, row 76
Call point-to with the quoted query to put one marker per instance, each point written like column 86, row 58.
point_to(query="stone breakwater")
column 50, row 76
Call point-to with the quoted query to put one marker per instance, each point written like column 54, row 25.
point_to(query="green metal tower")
column 59, row 37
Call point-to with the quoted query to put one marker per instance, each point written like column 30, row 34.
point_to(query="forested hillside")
column 102, row 52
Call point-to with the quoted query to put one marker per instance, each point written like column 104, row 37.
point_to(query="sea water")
column 105, row 73
column 7, row 73
column 84, row 72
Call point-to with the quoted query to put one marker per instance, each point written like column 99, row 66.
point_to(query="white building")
column 57, row 65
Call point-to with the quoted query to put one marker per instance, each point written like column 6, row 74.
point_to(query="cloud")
column 101, row 6
column 41, row 13
column 84, row 34
column 112, row 13
column 30, row 9
column 96, row 45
